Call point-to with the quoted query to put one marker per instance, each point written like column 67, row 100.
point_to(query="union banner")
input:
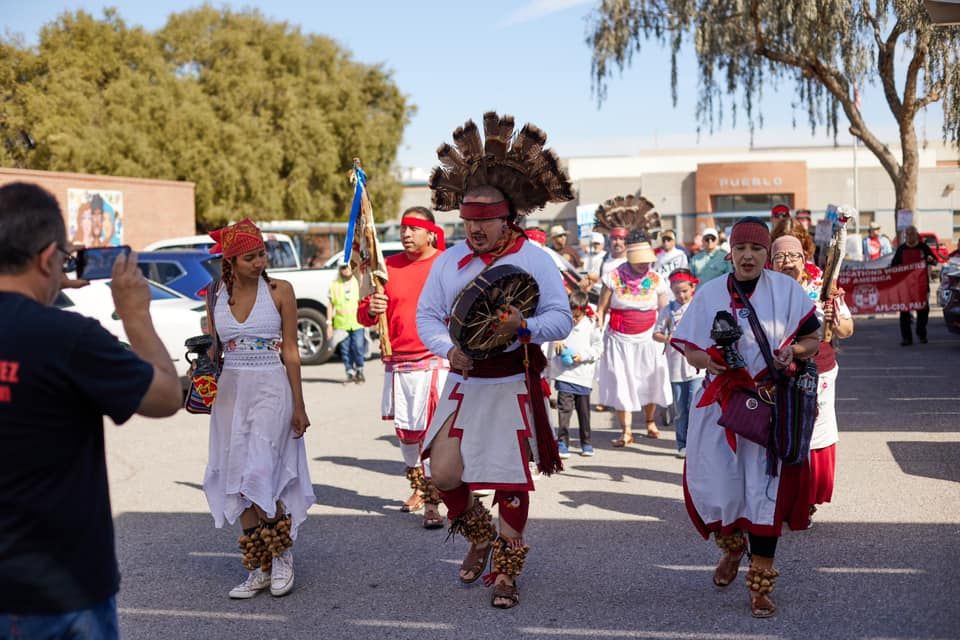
column 888, row 290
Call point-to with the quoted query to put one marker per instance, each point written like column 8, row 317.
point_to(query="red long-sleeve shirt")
column 406, row 278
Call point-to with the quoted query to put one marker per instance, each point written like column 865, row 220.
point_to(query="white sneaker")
column 255, row 582
column 682, row 453
column 281, row 576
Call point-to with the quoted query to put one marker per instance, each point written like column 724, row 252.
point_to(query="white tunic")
column 727, row 483
column 253, row 456
column 492, row 417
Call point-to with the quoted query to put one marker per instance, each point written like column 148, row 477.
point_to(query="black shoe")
column 350, row 378
column 360, row 378
column 906, row 343
column 923, row 340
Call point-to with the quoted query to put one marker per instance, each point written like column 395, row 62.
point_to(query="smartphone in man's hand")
column 96, row 263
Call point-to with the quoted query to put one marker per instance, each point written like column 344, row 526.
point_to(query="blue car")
column 186, row 271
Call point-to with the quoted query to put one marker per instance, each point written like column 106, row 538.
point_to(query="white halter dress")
column 254, row 458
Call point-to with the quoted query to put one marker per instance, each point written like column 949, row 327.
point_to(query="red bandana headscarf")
column 237, row 239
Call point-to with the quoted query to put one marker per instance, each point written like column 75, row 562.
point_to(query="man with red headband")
column 413, row 375
column 493, row 417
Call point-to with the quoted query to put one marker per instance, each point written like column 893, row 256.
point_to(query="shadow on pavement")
column 386, row 467
column 937, row 460
column 382, row 576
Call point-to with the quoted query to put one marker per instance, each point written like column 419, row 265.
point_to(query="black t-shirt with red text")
column 60, row 373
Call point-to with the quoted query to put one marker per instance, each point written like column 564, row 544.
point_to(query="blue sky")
column 456, row 60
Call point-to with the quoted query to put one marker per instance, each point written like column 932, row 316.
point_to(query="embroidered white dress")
column 633, row 370
column 253, row 456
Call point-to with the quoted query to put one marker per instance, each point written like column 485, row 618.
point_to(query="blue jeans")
column 95, row 623
column 682, row 395
column 352, row 349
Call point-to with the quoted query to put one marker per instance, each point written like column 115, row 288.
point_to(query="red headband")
column 536, row 235
column 618, row 232
column 237, row 239
column 484, row 211
column 750, row 232
column 420, row 223
column 684, row 277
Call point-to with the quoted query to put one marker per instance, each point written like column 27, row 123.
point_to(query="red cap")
column 780, row 211
column 618, row 232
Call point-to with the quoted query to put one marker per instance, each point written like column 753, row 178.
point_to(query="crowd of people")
column 460, row 384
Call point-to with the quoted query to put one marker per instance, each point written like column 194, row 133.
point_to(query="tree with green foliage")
column 264, row 119
column 828, row 49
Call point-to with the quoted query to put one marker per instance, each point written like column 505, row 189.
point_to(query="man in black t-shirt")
column 60, row 373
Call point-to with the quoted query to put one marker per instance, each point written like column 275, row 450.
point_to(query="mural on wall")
column 95, row 217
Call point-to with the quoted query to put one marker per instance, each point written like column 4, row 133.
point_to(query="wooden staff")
column 831, row 268
column 378, row 270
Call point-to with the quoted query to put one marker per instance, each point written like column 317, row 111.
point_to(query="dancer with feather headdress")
column 493, row 417
column 633, row 373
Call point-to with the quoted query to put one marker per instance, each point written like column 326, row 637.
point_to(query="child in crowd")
column 683, row 377
column 573, row 365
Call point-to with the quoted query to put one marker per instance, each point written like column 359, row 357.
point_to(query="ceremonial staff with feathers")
column 836, row 251
column 362, row 248
column 502, row 296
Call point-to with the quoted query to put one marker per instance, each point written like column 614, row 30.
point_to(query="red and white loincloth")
column 493, row 419
column 411, row 393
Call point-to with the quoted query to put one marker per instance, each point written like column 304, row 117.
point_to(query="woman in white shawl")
column 726, row 486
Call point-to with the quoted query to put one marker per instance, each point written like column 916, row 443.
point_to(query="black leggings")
column 566, row 403
column 763, row 546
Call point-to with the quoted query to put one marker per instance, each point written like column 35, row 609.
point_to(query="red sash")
column 632, row 321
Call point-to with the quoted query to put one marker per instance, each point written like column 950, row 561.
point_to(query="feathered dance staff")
column 362, row 248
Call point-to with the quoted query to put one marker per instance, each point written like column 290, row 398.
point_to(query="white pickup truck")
column 311, row 286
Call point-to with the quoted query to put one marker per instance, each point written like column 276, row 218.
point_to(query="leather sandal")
column 410, row 507
column 761, row 583
column 475, row 562
column 622, row 441
column 432, row 520
column 652, row 431
column 507, row 592
column 727, row 568
column 761, row 606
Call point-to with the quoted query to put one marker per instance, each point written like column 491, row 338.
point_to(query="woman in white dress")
column 257, row 468
column 633, row 372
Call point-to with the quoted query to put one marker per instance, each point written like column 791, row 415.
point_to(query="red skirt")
column 823, row 464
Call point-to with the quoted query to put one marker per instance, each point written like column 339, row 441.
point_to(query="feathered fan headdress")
column 631, row 213
column 515, row 163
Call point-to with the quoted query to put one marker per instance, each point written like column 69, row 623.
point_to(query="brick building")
column 104, row 210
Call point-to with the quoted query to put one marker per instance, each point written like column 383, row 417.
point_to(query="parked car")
column 948, row 295
column 281, row 251
column 188, row 272
column 175, row 316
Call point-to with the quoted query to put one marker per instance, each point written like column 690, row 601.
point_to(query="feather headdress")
column 515, row 163
column 633, row 213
